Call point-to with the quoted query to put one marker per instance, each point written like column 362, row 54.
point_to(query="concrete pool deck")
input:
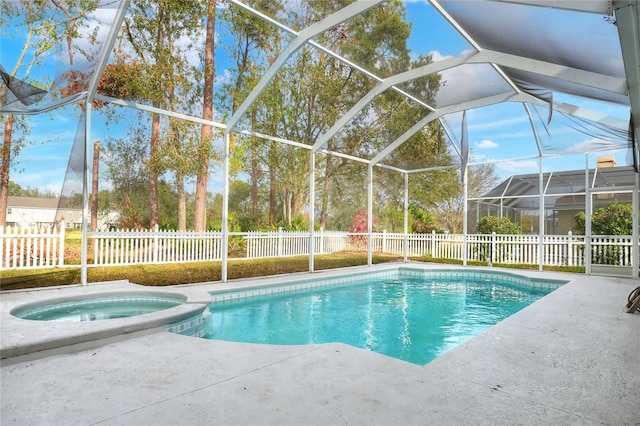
column 570, row 358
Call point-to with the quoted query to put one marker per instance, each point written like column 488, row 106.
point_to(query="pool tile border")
column 196, row 326
column 403, row 271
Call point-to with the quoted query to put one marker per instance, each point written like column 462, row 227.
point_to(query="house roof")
column 41, row 203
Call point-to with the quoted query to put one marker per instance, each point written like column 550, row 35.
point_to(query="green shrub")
column 499, row 225
column 614, row 219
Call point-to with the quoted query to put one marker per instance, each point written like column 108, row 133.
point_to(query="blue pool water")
column 410, row 318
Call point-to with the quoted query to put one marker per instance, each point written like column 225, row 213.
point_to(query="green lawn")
column 182, row 273
column 196, row 272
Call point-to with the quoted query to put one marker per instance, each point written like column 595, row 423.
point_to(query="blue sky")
column 496, row 132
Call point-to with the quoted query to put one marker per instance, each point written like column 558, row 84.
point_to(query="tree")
column 152, row 31
column 254, row 50
column 15, row 190
column 449, row 207
column 423, row 221
column 129, row 174
column 203, row 153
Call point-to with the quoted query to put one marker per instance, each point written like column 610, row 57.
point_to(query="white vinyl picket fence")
column 22, row 248
column 292, row 243
column 558, row 250
column 130, row 247
column 32, row 247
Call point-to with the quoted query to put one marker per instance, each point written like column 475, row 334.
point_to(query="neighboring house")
column 35, row 211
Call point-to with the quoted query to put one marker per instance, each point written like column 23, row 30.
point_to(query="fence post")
column 321, row 248
column 279, row 241
column 493, row 248
column 156, row 243
column 405, row 245
column 433, row 243
column 61, row 231
column 384, row 241
column 570, row 248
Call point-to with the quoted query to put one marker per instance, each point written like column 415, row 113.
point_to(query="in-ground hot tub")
column 51, row 321
column 98, row 306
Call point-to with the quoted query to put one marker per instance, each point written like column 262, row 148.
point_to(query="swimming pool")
column 407, row 315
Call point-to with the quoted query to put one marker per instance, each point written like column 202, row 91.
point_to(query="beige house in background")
column 35, row 212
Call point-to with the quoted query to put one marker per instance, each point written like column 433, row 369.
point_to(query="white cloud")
column 591, row 145
column 519, row 166
column 437, row 56
column 486, row 144
column 507, row 167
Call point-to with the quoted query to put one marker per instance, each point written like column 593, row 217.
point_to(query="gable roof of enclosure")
column 534, row 54
column 521, row 192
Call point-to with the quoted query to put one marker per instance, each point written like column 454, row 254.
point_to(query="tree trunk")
column 182, row 202
column 287, row 206
column 273, row 201
column 4, row 168
column 199, row 223
column 326, row 187
column 255, row 170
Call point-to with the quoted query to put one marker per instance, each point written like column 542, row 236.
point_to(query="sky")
column 499, row 133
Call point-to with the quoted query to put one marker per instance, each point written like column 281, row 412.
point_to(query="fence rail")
column 23, row 248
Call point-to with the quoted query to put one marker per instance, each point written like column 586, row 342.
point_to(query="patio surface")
column 570, row 358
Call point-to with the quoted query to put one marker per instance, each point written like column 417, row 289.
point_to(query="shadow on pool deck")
column 570, row 358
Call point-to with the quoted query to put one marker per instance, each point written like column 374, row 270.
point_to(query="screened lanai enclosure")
column 414, row 118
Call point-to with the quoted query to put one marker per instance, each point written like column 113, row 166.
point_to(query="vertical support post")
column 279, row 242
column 225, row 207
column 635, row 229
column 541, row 220
column 570, row 248
column 312, row 209
column 587, row 213
column 370, row 215
column 405, row 247
column 465, row 213
column 84, row 246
